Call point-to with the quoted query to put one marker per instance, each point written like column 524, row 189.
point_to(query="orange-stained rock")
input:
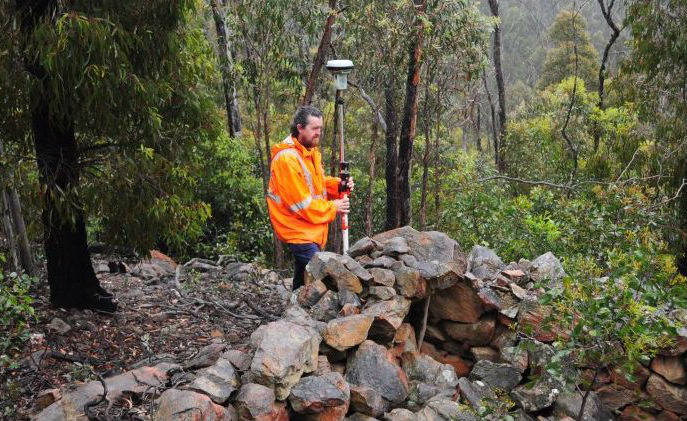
column 347, row 332
column 669, row 396
column 671, row 368
column 404, row 340
column 459, row 303
column 635, row 413
column 640, row 376
column 321, row 398
column 349, row 309
column 479, row 333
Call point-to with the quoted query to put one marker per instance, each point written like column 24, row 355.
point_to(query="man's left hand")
column 350, row 183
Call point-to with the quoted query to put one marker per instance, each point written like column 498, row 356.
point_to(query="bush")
column 16, row 312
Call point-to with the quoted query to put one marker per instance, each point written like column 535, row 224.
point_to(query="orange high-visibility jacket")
column 299, row 194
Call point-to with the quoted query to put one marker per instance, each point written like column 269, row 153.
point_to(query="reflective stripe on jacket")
column 298, row 193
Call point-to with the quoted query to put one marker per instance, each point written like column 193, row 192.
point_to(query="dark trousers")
column 302, row 253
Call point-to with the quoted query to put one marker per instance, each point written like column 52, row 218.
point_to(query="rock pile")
column 346, row 348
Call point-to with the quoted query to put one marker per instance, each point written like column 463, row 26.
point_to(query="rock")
column 257, row 402
column 547, row 267
column 519, row 292
column 357, row 416
column 357, row 269
column 381, row 262
column 383, row 277
column 458, row 303
column 497, row 376
column 327, row 308
column 239, row 359
column 516, row 357
column 206, row 357
column 420, row 393
column 435, row 333
column 532, row 315
column 538, row 396
column 184, row 405
column 639, row 377
column 425, row 369
column 490, row 300
column 409, row 260
column 373, row 366
column 635, row 413
column 395, row 246
column 300, row 317
column 218, row 381
column 388, row 316
column 668, row 396
column 309, row 294
column 476, row 393
column 480, row 353
column 446, row 410
column 401, row 414
column 615, row 397
column 427, row 245
column 679, row 346
column 569, row 404
column 408, row 281
column 361, row 247
column 671, row 368
column 368, row 401
column 239, row 272
column 479, row 333
column 350, row 298
column 404, row 340
column 135, row 382
column 382, row 293
column 321, row 398
column 101, row 267
column 439, row 275
column 60, row 326
column 484, row 263
column 326, row 265
column 348, row 310
column 347, row 332
column 284, row 351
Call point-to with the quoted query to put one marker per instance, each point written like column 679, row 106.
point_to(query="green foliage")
column 572, row 51
column 16, row 312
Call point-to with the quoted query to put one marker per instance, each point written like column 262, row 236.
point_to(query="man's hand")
column 342, row 205
column 350, row 183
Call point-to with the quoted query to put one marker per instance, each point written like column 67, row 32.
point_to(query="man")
column 301, row 200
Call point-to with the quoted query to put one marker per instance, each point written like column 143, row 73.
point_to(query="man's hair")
column 301, row 117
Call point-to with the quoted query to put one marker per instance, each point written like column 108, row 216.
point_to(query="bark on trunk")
column 494, row 132
column 392, row 215
column 9, row 230
column 405, row 149
column 478, row 128
column 615, row 33
column 494, row 6
column 372, row 157
column 25, row 255
column 311, row 84
column 422, row 213
column 72, row 280
column 227, row 65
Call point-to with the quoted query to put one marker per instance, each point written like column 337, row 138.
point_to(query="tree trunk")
column 422, row 213
column 437, row 179
column 494, row 6
column 392, row 215
column 311, row 84
column 9, row 230
column 71, row 277
column 227, row 69
column 478, row 128
column 25, row 255
column 493, row 123
column 405, row 149
column 615, row 33
column 372, row 158
column 70, row 272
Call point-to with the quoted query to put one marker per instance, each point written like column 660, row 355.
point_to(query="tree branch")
column 370, row 101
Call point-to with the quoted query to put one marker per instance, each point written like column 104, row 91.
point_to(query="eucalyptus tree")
column 109, row 96
column 658, row 65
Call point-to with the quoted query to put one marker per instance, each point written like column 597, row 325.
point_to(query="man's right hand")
column 342, row 205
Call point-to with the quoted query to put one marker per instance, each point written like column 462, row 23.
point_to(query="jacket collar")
column 297, row 145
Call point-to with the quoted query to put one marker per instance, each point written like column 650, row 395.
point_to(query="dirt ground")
column 154, row 321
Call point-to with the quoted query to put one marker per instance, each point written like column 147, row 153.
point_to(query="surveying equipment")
column 340, row 69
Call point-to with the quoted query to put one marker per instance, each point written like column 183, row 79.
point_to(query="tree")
column 496, row 53
column 572, row 49
column 101, row 83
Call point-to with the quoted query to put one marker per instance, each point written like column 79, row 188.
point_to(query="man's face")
column 309, row 136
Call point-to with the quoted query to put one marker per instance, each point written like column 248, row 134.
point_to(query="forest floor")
column 154, row 321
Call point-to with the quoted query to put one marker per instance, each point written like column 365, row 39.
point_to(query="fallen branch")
column 260, row 311
column 87, row 407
